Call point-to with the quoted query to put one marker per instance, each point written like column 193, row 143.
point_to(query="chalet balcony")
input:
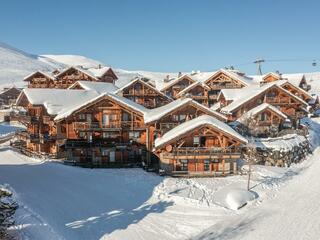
column 200, row 97
column 203, row 153
column 86, row 126
column 140, row 93
column 224, row 86
column 284, row 100
column 132, row 125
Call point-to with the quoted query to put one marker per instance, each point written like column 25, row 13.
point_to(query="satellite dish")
column 169, row 148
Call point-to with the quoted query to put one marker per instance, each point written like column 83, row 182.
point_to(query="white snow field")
column 65, row 202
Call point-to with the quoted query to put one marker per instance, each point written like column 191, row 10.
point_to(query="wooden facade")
column 144, row 94
column 271, row 77
column 40, row 80
column 173, row 88
column 198, row 92
column 221, row 80
column 68, row 77
column 9, row 96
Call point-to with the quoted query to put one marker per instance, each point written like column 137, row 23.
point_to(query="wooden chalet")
column 69, row 76
column 107, row 131
column 270, row 77
column 224, row 79
column 40, row 79
column 248, row 98
column 175, row 86
column 9, row 96
column 144, row 94
column 72, row 74
column 201, row 146
column 197, row 91
column 42, row 135
column 297, row 91
column 264, row 120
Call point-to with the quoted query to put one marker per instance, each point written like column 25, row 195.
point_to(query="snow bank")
column 284, row 143
column 238, row 198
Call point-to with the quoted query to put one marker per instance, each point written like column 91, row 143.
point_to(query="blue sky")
column 169, row 35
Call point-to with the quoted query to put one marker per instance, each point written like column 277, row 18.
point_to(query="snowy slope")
column 16, row 64
column 73, row 60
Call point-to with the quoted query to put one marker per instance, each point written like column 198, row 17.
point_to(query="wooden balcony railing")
column 95, row 125
column 203, row 152
column 277, row 100
column 131, row 124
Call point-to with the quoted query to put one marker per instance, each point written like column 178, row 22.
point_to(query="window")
column 112, row 156
column 182, row 117
column 134, row 135
column 82, row 134
column 105, row 152
column 196, row 141
column 105, row 120
column 206, row 165
column 175, row 118
column 184, row 165
column 82, row 117
column 125, row 117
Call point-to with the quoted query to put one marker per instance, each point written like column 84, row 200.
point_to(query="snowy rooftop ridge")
column 121, row 100
column 157, row 113
column 99, row 87
column 188, row 126
column 260, row 108
column 57, row 100
column 138, row 79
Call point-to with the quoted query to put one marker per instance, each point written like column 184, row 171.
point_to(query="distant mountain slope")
column 73, row 60
column 16, row 64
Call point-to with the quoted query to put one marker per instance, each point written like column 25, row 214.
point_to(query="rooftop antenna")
column 259, row 61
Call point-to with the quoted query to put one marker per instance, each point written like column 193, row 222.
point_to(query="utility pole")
column 259, row 61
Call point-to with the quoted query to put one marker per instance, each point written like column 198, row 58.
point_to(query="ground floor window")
column 184, row 165
column 105, row 152
column 206, row 165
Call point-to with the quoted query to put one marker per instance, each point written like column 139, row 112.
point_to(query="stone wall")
column 281, row 151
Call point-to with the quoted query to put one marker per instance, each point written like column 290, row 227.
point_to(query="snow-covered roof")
column 243, row 95
column 121, row 100
column 98, row 72
column 176, row 80
column 189, row 126
column 145, row 83
column 157, row 113
column 57, row 101
column 100, row 87
column 260, row 108
column 48, row 75
column 232, row 74
column 229, row 94
column 85, row 71
column 193, row 85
